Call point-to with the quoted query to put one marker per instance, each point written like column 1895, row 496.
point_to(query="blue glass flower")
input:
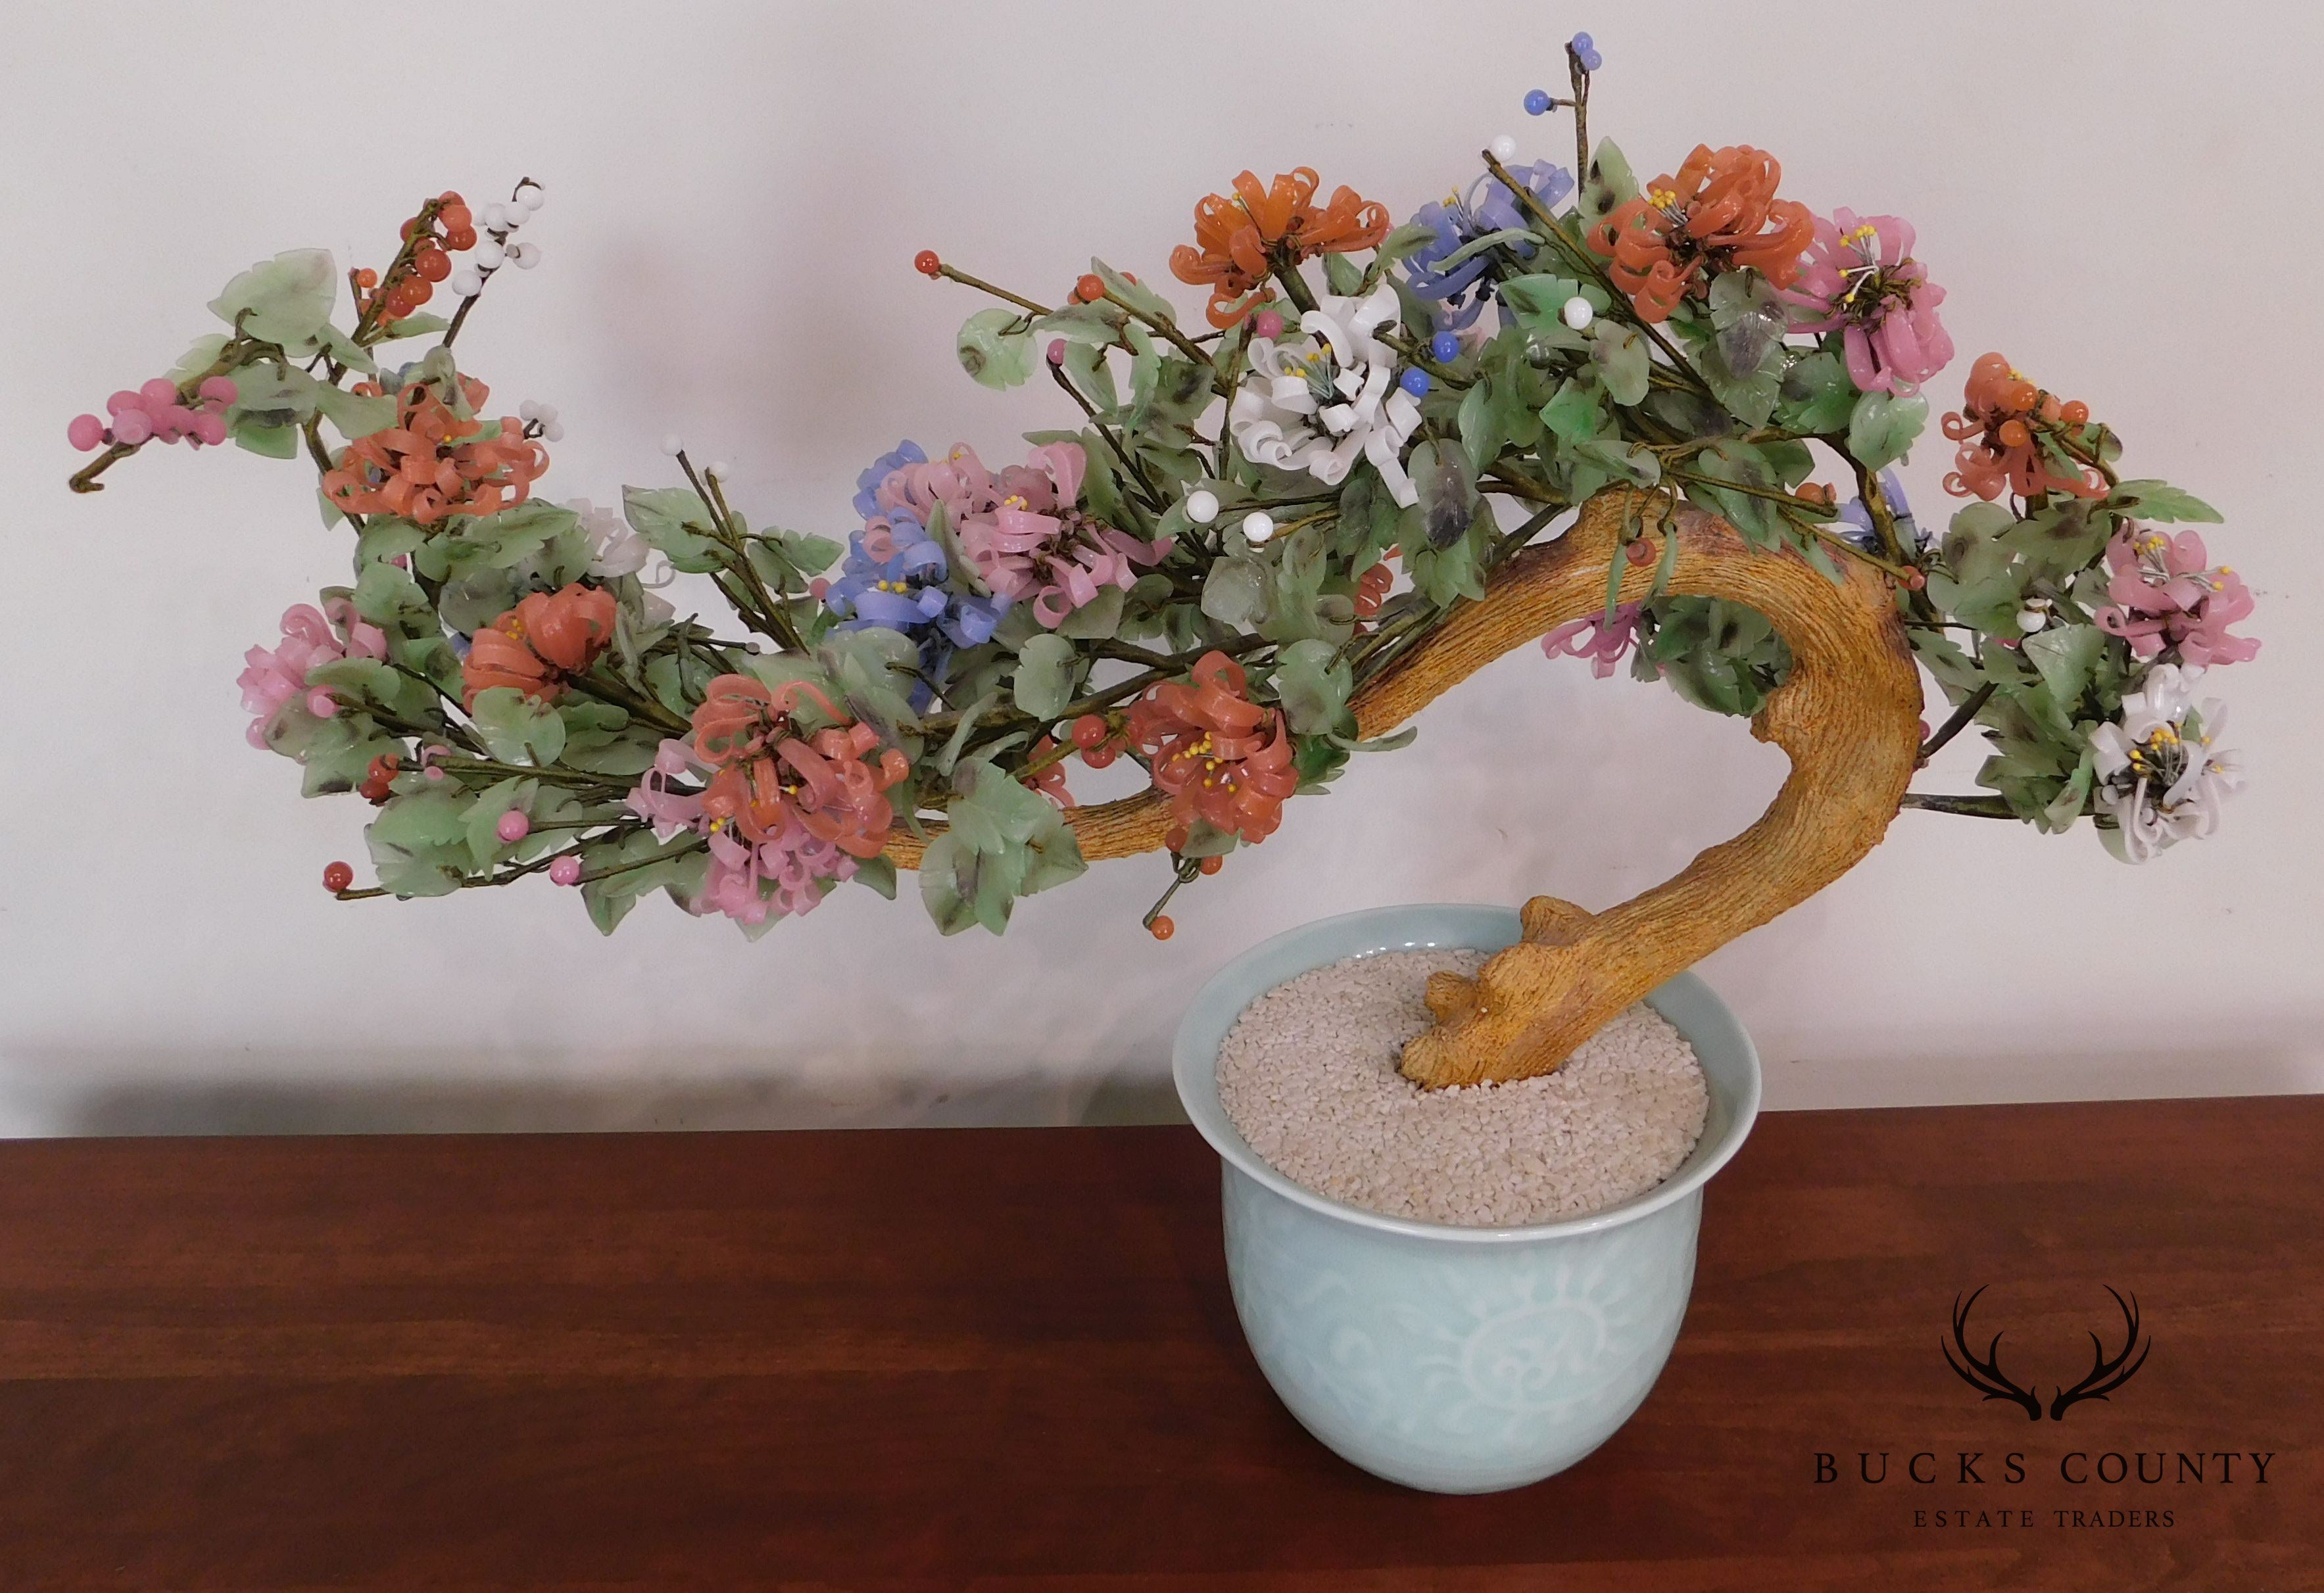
column 1458, row 220
column 867, row 486
column 909, row 591
column 1855, row 526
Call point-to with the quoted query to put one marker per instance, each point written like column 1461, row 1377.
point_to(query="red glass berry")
column 1162, row 928
column 1099, row 756
column 2014, row 434
column 1212, row 865
column 337, row 877
column 1914, row 580
column 460, row 237
column 927, row 263
column 449, row 198
column 2075, row 413
column 366, row 278
column 433, row 264
column 1090, row 289
column 454, row 214
column 1089, row 730
column 1638, row 550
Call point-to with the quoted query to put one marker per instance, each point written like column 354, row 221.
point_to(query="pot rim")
column 1194, row 1070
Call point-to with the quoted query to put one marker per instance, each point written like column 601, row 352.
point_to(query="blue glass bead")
column 1445, row 348
column 1414, row 382
column 1538, row 102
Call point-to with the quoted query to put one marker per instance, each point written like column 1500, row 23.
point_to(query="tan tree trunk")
column 1848, row 718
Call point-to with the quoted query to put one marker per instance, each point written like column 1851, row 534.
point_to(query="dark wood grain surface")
column 1008, row 1358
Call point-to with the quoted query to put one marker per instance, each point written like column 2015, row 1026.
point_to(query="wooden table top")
column 922, row 1360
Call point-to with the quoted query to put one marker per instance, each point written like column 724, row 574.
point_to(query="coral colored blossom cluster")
column 2000, row 426
column 435, row 462
column 1241, row 237
column 537, row 646
column 1719, row 214
column 1218, row 756
column 785, row 810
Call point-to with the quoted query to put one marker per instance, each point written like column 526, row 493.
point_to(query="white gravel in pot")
column 1308, row 1076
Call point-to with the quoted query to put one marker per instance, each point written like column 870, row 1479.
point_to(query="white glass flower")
column 2157, row 773
column 614, row 547
column 1319, row 401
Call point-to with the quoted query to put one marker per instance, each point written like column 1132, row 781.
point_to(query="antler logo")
column 2106, row 1372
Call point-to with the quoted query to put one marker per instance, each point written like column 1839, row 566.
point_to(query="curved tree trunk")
column 1848, row 718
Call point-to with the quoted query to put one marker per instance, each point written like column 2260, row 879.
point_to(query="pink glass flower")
column 1593, row 639
column 1035, row 544
column 271, row 679
column 1859, row 278
column 780, row 876
column 2168, row 594
column 774, row 846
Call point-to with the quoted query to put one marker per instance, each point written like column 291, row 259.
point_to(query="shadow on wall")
column 269, row 1097
column 1839, row 1081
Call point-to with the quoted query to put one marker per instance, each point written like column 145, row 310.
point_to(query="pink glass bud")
column 1267, row 323
column 159, row 393
column 512, row 828
column 1057, row 351
column 85, row 432
column 132, row 426
column 123, row 401
column 220, row 390
column 210, row 429
column 565, row 870
column 321, row 704
column 433, row 773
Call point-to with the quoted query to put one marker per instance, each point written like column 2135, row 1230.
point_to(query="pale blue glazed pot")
column 1462, row 1360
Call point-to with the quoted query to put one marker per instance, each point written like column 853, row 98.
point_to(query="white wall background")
column 2120, row 197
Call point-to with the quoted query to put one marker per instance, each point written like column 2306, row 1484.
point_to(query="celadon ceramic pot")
column 1460, row 1360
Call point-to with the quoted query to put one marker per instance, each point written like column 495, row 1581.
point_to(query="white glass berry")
column 1258, row 526
column 1578, row 313
column 1202, row 506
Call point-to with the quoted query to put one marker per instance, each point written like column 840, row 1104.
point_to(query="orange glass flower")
column 535, row 645
column 1049, row 780
column 431, row 464
column 1241, row 236
column 1218, row 756
column 1999, row 451
column 827, row 785
column 1719, row 212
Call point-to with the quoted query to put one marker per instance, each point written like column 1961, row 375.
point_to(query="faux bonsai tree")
column 1652, row 421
